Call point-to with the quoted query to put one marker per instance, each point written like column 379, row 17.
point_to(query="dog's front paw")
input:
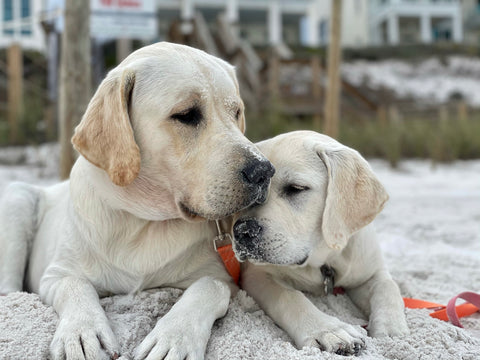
column 392, row 326
column 84, row 336
column 336, row 337
column 175, row 338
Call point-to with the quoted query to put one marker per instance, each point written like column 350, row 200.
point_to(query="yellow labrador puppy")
column 161, row 150
column 312, row 234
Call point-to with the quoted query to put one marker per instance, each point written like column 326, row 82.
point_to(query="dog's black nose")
column 258, row 172
column 246, row 230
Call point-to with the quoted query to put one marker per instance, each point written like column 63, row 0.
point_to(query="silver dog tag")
column 328, row 279
column 222, row 240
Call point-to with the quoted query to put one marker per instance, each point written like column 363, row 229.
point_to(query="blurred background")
column 398, row 80
column 391, row 78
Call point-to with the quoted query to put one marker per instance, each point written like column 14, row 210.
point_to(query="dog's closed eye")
column 192, row 116
column 294, row 189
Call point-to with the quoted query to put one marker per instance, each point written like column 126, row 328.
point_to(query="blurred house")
column 355, row 22
column 471, row 21
column 276, row 22
column 260, row 22
column 415, row 21
column 20, row 22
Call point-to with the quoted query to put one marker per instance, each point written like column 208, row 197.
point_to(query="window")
column 7, row 16
column 25, row 8
column 324, row 32
column 17, row 17
column 25, row 13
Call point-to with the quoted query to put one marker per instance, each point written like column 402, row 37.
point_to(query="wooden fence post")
column 316, row 91
column 75, row 77
column 332, row 100
column 15, row 90
column 462, row 111
column 124, row 48
column 443, row 114
column 274, row 75
column 382, row 116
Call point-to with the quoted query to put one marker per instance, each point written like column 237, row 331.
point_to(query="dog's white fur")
column 133, row 214
column 321, row 202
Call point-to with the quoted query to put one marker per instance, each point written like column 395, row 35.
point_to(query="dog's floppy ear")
column 105, row 135
column 354, row 194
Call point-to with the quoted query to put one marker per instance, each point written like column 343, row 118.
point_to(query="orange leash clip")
column 230, row 261
column 223, row 245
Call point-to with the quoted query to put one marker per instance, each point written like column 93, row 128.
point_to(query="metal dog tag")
column 328, row 279
column 222, row 238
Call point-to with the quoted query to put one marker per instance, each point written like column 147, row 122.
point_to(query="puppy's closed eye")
column 294, row 189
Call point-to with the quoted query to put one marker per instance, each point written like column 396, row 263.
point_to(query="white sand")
column 429, row 81
column 430, row 234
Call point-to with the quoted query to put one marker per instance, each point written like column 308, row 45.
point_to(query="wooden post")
column 15, row 90
column 443, row 114
column 462, row 110
column 273, row 75
column 394, row 115
column 382, row 116
column 75, row 77
column 316, row 91
column 124, row 48
column 51, row 110
column 332, row 100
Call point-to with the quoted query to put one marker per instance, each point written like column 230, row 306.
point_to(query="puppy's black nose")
column 258, row 172
column 246, row 230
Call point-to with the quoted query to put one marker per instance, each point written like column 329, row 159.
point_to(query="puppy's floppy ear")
column 105, row 135
column 354, row 194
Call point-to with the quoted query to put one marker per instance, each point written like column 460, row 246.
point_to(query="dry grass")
column 439, row 140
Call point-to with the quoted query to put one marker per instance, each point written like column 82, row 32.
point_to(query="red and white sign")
column 135, row 19
column 122, row 5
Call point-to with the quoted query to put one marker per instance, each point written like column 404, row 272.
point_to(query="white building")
column 415, row 21
column 355, row 20
column 471, row 21
column 273, row 22
column 20, row 22
column 262, row 22
column 393, row 22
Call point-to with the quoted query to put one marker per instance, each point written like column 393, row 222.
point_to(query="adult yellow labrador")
column 312, row 234
column 161, row 150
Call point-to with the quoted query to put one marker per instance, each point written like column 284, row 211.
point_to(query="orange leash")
column 223, row 245
column 450, row 312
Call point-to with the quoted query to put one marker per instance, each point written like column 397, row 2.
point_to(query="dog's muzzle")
column 248, row 234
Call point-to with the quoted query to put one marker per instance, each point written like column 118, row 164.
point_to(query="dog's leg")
column 184, row 331
column 304, row 322
column 83, row 331
column 19, row 208
column 380, row 299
